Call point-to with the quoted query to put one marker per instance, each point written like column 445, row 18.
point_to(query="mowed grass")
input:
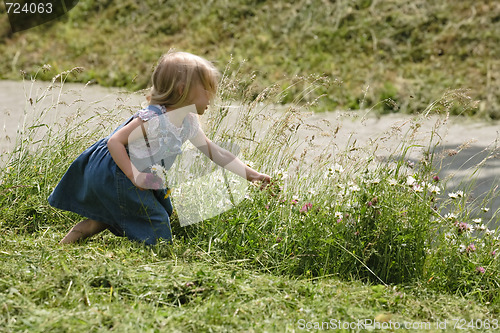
column 111, row 284
column 398, row 55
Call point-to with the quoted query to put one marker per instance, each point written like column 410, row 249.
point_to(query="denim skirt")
column 95, row 187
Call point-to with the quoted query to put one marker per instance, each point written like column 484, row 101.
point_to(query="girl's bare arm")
column 226, row 159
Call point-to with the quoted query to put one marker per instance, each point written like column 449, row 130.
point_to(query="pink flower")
column 436, row 178
column 471, row 248
column 461, row 226
column 294, row 202
column 306, row 207
column 480, row 269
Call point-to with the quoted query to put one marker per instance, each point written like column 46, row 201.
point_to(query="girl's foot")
column 83, row 230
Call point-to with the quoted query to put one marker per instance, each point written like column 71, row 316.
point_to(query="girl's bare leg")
column 83, row 230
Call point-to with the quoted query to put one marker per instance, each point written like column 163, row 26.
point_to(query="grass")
column 407, row 52
column 346, row 237
column 112, row 284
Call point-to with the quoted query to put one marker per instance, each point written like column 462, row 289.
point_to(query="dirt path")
column 350, row 128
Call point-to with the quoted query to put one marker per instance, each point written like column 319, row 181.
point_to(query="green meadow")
column 343, row 241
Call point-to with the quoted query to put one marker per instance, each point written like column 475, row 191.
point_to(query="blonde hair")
column 176, row 73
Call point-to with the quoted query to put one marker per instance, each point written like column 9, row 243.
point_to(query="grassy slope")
column 113, row 284
column 408, row 51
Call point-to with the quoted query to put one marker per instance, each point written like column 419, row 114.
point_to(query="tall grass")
column 343, row 213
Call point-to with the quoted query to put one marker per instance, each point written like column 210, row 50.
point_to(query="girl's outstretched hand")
column 263, row 178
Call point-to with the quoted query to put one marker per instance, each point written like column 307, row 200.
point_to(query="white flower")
column 489, row 232
column 450, row 216
column 417, row 188
column 477, row 221
column 339, row 215
column 455, row 195
column 354, row 188
column 462, row 248
column 482, row 227
column 410, row 181
column 393, row 182
column 375, row 181
column 485, row 209
column 434, row 189
column 338, row 168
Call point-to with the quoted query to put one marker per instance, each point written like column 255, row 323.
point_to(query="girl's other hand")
column 147, row 181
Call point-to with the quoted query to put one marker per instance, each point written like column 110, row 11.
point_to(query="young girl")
column 104, row 185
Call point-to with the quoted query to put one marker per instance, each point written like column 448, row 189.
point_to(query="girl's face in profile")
column 200, row 97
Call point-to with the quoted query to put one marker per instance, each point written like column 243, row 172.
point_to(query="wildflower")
column 480, row 269
column 417, row 188
column 453, row 195
column 338, row 168
column 450, row 216
column 410, row 164
column 354, row 188
column 464, row 227
column 489, row 232
column 369, row 204
column 434, row 189
column 462, row 248
column 485, row 209
column 482, row 227
column 494, row 252
column 436, row 178
column 328, row 174
column 375, row 181
column 278, row 239
column 339, row 215
column 294, row 202
column 306, row 208
column 471, row 248
column 410, row 181
column 393, row 182
column 477, row 221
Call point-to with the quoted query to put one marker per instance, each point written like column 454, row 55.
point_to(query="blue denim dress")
column 95, row 187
